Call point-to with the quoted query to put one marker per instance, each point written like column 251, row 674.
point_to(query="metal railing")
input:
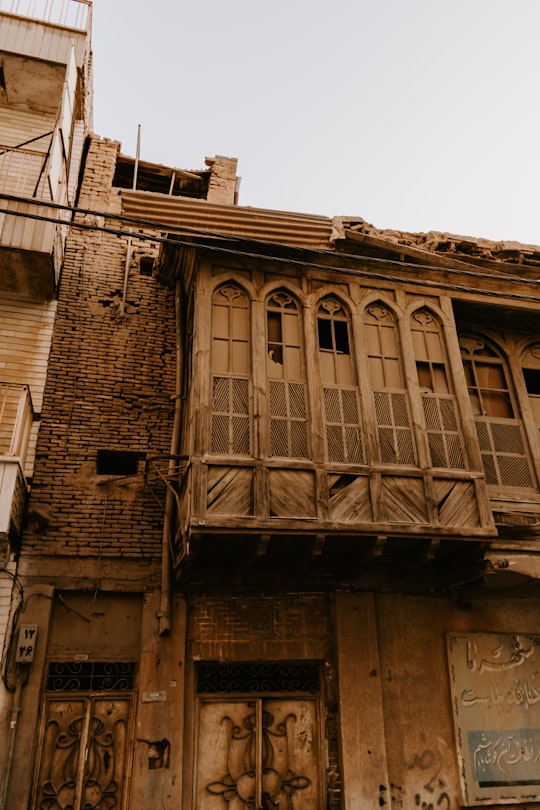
column 21, row 172
column 16, row 417
column 68, row 13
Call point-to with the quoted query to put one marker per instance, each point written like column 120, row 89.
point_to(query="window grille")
column 286, row 379
column 440, row 409
column 90, row 676
column 341, row 409
column 498, row 426
column 216, row 677
column 230, row 432
column 386, row 376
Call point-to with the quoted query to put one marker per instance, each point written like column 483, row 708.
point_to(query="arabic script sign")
column 495, row 681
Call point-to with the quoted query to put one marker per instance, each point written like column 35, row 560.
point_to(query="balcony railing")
column 22, row 173
column 67, row 13
column 16, row 417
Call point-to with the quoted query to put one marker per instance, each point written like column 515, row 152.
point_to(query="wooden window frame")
column 287, row 391
column 231, row 417
column 504, row 443
column 392, row 407
column 439, row 404
column 339, row 392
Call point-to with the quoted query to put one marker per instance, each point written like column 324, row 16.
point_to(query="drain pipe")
column 15, row 709
column 164, row 613
column 129, row 248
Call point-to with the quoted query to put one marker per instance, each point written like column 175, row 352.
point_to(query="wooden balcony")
column 260, row 523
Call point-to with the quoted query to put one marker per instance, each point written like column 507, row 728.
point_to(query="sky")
column 413, row 115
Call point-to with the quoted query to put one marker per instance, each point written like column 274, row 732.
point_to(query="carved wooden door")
column 83, row 753
column 258, row 754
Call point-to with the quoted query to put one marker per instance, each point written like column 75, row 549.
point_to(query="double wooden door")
column 83, row 753
column 258, row 753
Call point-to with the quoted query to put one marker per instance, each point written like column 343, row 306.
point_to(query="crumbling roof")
column 463, row 248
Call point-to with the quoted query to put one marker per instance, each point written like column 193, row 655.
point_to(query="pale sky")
column 416, row 115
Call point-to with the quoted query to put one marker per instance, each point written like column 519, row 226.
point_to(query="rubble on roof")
column 448, row 243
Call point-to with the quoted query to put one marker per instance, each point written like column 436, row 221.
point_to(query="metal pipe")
column 137, row 155
column 164, row 613
column 15, row 709
column 129, row 243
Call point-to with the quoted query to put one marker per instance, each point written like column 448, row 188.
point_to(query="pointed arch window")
column 388, row 384
column 231, row 373
column 496, row 415
column 438, row 400
column 341, row 406
column 531, row 373
column 286, row 378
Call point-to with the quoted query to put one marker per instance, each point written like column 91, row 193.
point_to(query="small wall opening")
column 146, row 265
column 118, row 462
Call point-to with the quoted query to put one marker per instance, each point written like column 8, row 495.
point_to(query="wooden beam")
column 262, row 545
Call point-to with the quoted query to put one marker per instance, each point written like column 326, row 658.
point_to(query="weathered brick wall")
column 109, row 387
column 259, row 628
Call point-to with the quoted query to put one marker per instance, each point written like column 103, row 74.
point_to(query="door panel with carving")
column 83, row 753
column 258, row 754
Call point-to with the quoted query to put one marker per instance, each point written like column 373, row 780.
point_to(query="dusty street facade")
column 280, row 547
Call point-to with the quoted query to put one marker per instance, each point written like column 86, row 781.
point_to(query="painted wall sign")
column 495, row 681
column 26, row 643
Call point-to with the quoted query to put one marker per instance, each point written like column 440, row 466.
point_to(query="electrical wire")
column 304, row 263
column 181, row 229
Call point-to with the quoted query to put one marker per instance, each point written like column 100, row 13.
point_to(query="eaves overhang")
column 201, row 218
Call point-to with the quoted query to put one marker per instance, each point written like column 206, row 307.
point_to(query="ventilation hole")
column 146, row 265
column 118, row 462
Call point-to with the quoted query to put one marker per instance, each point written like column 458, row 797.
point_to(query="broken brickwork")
column 110, row 383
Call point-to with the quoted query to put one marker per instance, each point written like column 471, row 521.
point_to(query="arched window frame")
column 231, row 430
column 339, row 383
column 439, row 404
column 286, row 377
column 388, row 386
column 497, row 414
column 530, row 366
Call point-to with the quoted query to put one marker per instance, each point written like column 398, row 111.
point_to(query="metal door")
column 258, row 754
column 83, row 753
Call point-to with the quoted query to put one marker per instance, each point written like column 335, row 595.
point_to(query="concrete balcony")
column 16, row 416
column 31, row 247
column 45, row 112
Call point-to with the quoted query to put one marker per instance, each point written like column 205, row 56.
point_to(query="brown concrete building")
column 280, row 549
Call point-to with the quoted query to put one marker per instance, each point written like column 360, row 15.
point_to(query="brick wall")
column 259, row 628
column 109, row 387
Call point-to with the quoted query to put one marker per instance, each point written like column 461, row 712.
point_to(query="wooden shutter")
column 498, row 426
column 230, row 432
column 392, row 415
column 286, row 379
column 341, row 406
column 438, row 400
